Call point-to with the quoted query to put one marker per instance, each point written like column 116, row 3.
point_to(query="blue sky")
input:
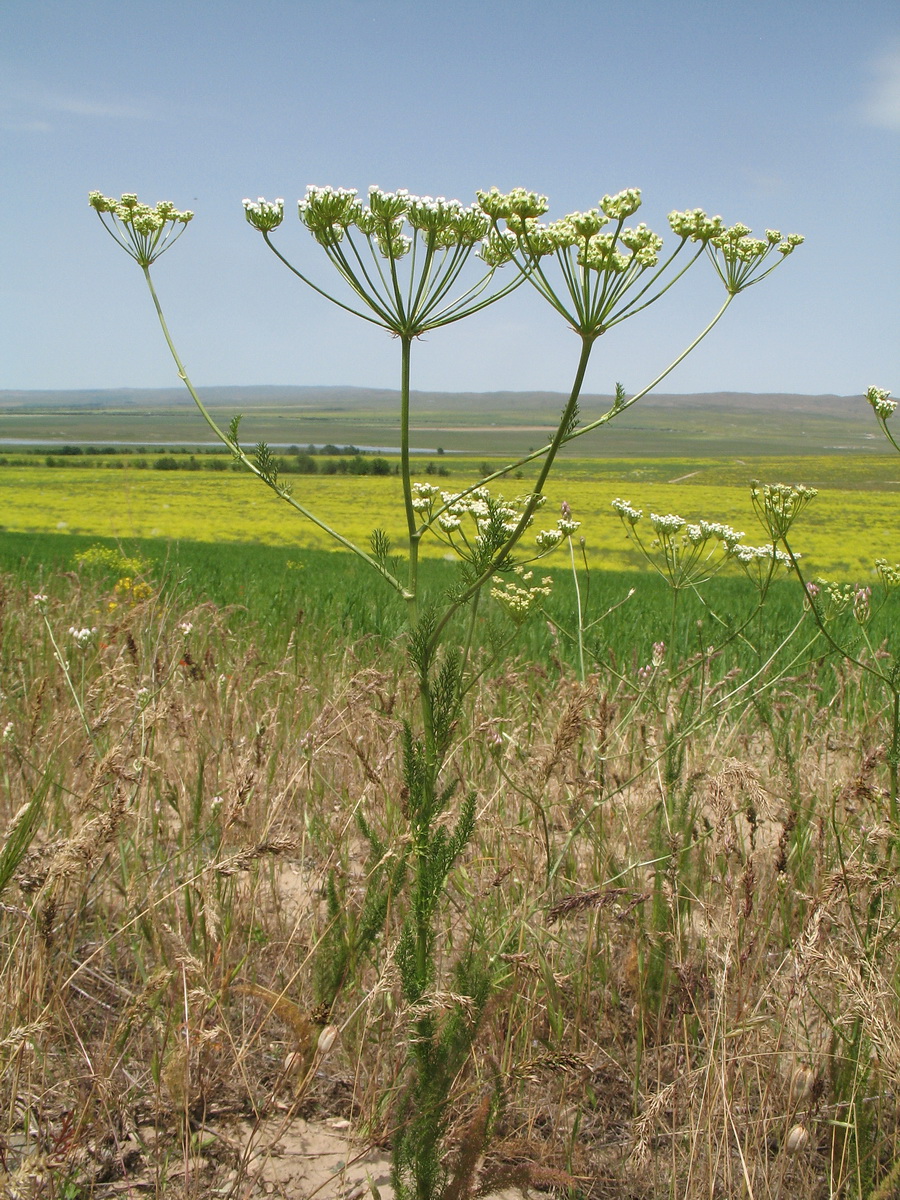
column 784, row 115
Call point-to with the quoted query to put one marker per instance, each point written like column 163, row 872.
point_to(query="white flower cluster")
column 747, row 555
column 518, row 598
column 82, row 637
column 695, row 533
column 626, row 512
column 693, row 223
column 549, row 539
column 519, row 203
column 667, row 525
column 760, row 563
column 691, row 551
column 779, row 504
column 495, row 519
column 264, row 215
column 702, row 531
column 738, row 257
column 143, row 232
column 879, row 399
column 498, row 248
column 837, row 598
column 601, row 252
column 329, row 212
column 889, row 575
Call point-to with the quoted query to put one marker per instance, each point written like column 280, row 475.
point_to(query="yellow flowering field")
column 841, row 533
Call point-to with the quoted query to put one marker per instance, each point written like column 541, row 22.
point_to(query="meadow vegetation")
column 681, row 866
column 582, row 885
column 843, row 534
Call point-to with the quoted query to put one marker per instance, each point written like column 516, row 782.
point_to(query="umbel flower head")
column 367, row 241
column 687, row 553
column 739, row 258
column 264, row 215
column 778, row 505
column 612, row 273
column 143, row 232
column 882, row 404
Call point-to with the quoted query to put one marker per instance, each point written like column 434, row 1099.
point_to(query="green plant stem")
column 470, row 633
column 236, row 450
column 413, row 533
column 68, row 678
column 580, row 612
column 565, row 421
column 608, row 416
column 893, row 751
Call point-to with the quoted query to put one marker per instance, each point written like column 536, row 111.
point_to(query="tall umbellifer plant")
column 863, row 640
column 412, row 264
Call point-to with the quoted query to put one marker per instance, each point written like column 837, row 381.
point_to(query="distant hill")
column 354, row 399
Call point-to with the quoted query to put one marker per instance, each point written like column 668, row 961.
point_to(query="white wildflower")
column 626, row 512
column 668, row 524
column 879, row 399
column 82, row 637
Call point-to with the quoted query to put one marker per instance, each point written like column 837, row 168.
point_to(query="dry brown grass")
column 698, row 973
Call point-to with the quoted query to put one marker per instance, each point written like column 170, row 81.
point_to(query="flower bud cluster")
column 889, row 575
column 622, row 205
column 82, row 637
column 328, row 213
column 693, row 223
column 646, row 673
column 778, row 505
column 879, row 399
column 519, row 598
column 837, row 598
column 626, row 512
column 759, row 563
column 862, row 604
column 597, row 251
column 738, row 256
column 520, row 203
column 687, row 549
column 142, row 231
column 264, row 215
column 129, row 209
